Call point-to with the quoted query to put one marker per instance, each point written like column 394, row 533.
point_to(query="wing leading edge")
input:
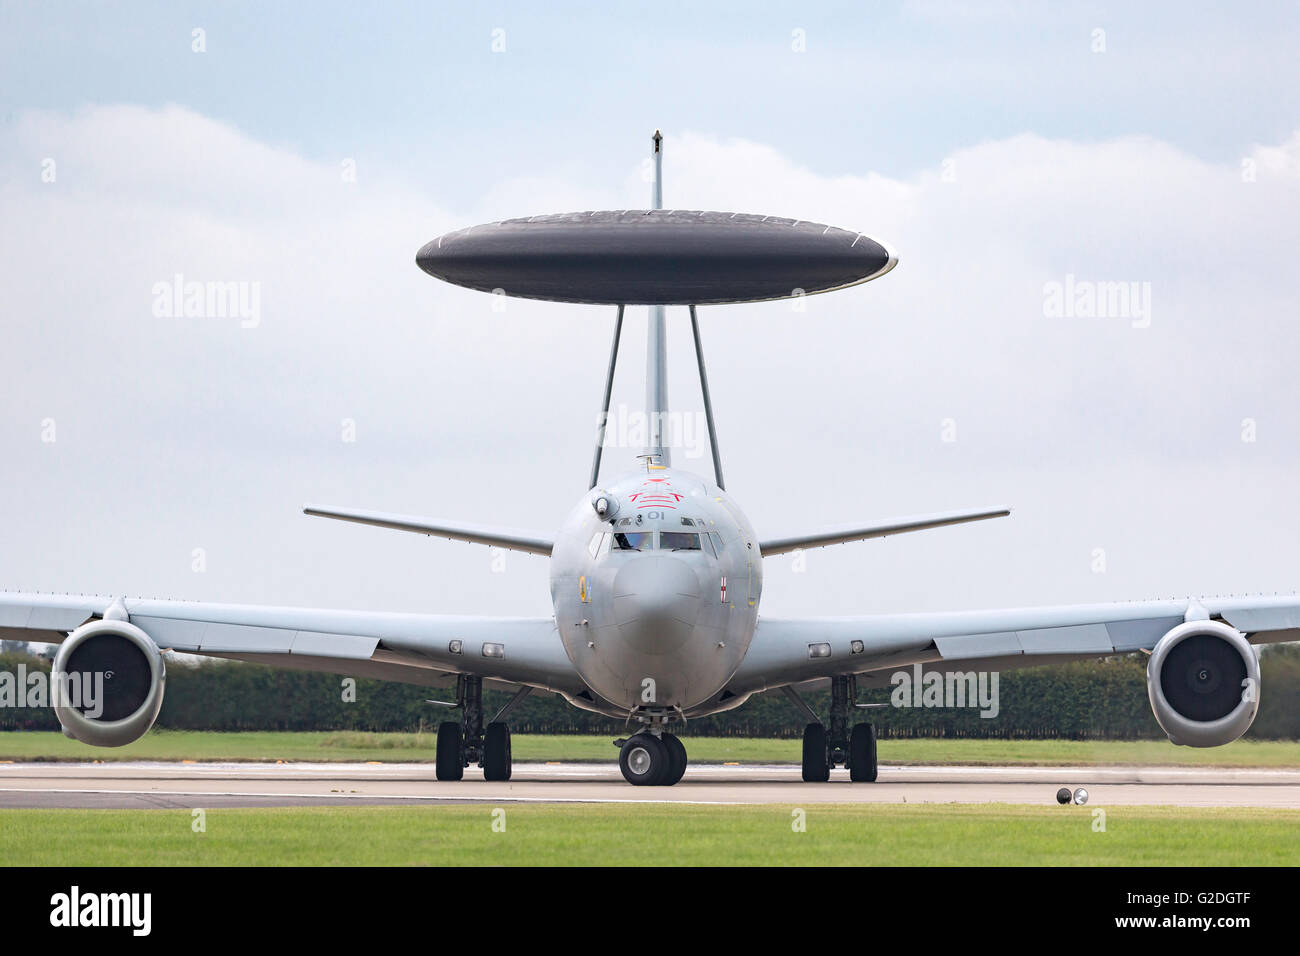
column 507, row 538
column 829, row 536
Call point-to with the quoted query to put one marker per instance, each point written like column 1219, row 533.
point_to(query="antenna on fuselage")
column 604, row 408
column 708, row 404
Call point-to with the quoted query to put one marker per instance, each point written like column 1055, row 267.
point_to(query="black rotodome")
column 654, row 257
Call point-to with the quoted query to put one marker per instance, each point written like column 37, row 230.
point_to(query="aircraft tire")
column 450, row 757
column 496, row 752
column 644, row 760
column 677, row 754
column 816, row 758
column 862, row 754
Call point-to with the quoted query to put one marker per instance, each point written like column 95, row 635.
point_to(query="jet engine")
column 107, row 683
column 1203, row 681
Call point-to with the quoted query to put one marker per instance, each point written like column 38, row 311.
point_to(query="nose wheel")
column 677, row 753
column 647, row 760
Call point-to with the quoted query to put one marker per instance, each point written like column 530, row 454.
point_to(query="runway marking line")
column 386, row 796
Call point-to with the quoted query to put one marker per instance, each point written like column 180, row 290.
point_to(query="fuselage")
column 656, row 600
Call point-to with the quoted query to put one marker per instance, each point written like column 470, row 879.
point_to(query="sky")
column 1093, row 321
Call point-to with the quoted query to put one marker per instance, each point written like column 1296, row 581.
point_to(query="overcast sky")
column 1003, row 150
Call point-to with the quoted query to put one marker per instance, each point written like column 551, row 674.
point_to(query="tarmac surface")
column 148, row 785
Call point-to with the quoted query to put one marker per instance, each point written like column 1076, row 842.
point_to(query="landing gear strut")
column 825, row 748
column 466, row 742
column 650, row 759
column 460, row 743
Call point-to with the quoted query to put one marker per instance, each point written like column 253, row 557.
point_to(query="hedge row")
column 1086, row 700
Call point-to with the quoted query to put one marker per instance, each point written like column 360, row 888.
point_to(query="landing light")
column 494, row 650
column 819, row 650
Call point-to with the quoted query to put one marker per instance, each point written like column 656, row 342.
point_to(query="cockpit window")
column 679, row 541
column 633, row 540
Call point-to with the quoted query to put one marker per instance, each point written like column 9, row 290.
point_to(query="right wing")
column 507, row 538
column 428, row 649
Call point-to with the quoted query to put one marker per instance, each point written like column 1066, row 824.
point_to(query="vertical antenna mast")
column 656, row 340
column 708, row 403
column 609, row 390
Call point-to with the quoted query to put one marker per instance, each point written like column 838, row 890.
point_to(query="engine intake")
column 1203, row 681
column 108, row 679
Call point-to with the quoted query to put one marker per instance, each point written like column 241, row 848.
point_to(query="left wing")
column 791, row 651
column 881, row 529
column 428, row 649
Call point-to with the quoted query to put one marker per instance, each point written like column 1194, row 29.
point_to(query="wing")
column 786, row 651
column 882, row 529
column 413, row 648
column 508, row 538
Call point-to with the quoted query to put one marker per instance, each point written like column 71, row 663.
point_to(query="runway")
column 144, row 785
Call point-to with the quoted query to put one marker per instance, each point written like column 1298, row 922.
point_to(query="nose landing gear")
column 652, row 760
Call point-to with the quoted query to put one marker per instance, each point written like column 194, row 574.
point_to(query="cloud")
column 176, row 434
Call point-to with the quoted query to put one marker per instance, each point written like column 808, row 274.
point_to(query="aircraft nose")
column 656, row 602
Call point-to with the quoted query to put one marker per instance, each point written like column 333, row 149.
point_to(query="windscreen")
column 679, row 541
column 633, row 540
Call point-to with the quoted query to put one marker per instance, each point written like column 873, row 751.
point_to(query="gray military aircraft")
column 656, row 576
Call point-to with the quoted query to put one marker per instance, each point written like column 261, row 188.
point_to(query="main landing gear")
column 650, row 759
column 825, row 748
column 466, row 742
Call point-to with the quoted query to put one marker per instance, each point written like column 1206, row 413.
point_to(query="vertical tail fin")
column 656, row 377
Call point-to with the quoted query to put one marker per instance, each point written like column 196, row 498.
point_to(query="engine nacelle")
column 1203, row 681
column 107, row 683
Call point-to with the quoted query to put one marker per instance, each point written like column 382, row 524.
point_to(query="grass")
column 653, row 835
column 352, row 746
